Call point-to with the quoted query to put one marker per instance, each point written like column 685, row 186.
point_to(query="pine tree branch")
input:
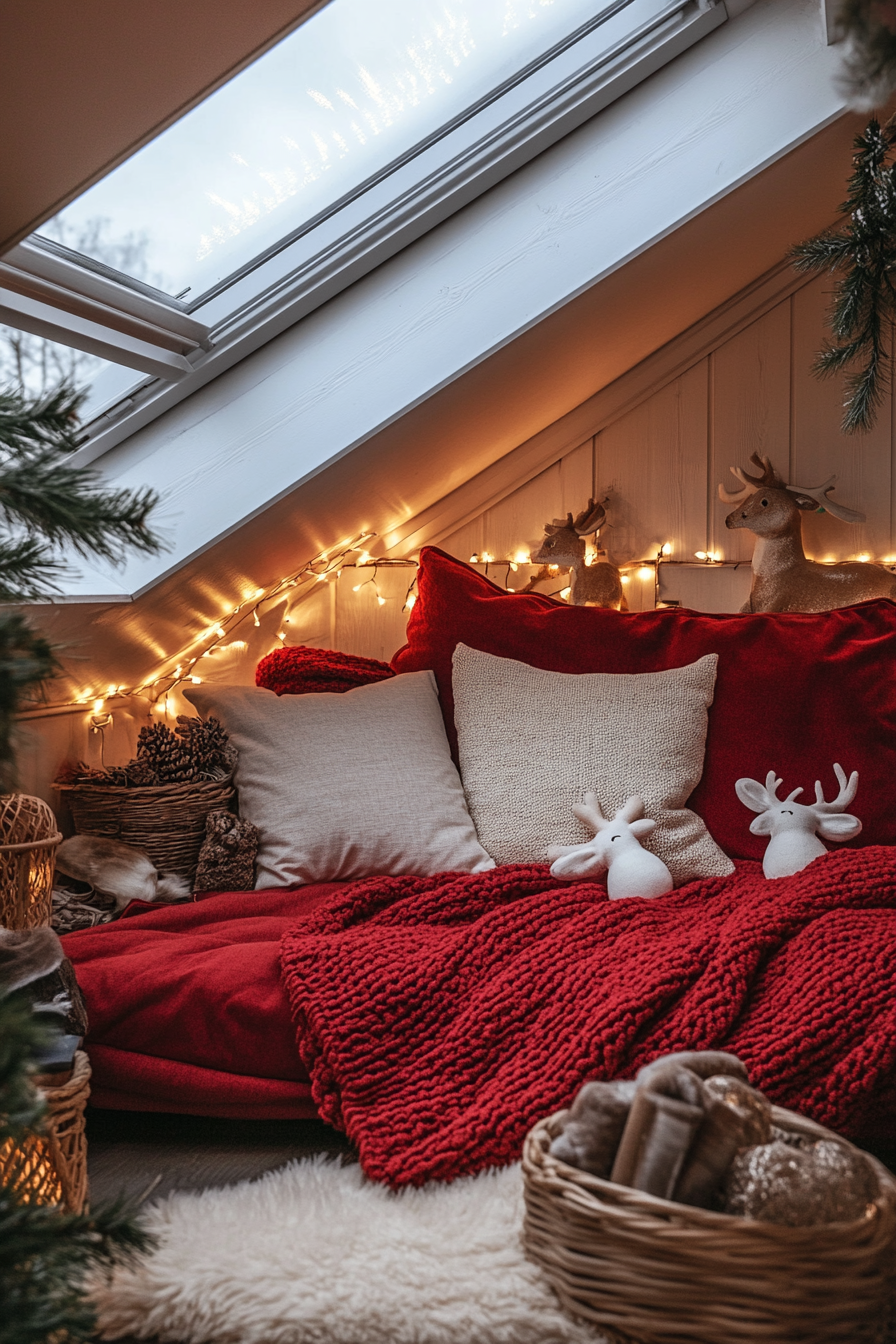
column 27, row 570
column 50, row 420
column 865, row 300
column 70, row 505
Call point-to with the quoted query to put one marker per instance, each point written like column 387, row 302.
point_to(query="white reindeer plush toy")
column 631, row 870
column 793, row 826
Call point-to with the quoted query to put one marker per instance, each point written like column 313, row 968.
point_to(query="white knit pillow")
column 532, row 743
column 347, row 786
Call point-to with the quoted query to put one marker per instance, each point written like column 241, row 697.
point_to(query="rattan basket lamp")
column 48, row 1165
column 29, row 838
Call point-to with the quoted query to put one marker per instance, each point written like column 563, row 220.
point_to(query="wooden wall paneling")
column 862, row 462
column 364, row 626
column 655, row 460
column 707, row 587
column 312, row 620
column 467, row 540
column 577, row 483
column 517, row 523
column 749, row 413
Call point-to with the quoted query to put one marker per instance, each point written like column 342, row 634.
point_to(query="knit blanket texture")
column 440, row 1017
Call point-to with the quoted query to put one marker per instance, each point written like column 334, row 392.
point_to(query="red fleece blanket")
column 440, row 1017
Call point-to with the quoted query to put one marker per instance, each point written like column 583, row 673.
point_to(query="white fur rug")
column 316, row 1254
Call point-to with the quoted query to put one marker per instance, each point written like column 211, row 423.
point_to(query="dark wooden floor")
column 128, row 1151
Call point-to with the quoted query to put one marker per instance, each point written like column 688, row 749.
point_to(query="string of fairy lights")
column 185, row 667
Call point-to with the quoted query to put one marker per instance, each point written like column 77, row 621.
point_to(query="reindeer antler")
column 590, row 813
column 558, row 525
column 749, row 484
column 759, row 799
column 844, row 797
column 590, row 519
column 819, row 495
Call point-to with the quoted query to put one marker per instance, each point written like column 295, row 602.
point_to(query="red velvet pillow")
column 299, row 670
column 794, row 692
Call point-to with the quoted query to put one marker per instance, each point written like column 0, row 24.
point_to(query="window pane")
column 336, row 102
column 34, row 365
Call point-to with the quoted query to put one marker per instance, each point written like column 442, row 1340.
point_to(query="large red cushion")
column 794, row 692
column 186, row 1008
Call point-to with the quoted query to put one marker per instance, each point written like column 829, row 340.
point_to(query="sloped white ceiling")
column 479, row 335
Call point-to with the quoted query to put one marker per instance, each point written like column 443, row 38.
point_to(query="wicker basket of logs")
column 29, row 837
column 657, row 1272
column 49, row 1165
column 159, row 802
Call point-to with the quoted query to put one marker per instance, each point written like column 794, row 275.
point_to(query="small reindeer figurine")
column 792, row 826
column 597, row 585
column 783, row 579
column 631, row 870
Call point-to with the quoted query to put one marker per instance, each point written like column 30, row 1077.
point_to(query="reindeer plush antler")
column 793, row 826
column 631, row 870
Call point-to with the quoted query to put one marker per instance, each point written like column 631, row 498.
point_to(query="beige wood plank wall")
column 662, row 461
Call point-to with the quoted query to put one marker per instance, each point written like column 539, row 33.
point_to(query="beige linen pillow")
column 532, row 743
column 347, row 786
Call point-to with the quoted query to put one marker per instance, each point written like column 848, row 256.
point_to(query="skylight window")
column 331, row 107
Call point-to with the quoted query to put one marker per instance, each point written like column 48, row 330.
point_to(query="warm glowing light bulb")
column 411, row 601
column 701, row 555
column 364, row 558
column 197, row 681
column 357, row 588
column 381, row 600
column 474, row 559
column 565, row 592
column 522, row 558
column 487, row 557
column 864, row 557
column 110, row 690
column 255, row 619
column 281, row 634
column 625, row 578
column 645, row 572
column 98, row 706
column 553, row 568
column 667, row 549
column 513, row 566
column 889, row 560
column 322, row 578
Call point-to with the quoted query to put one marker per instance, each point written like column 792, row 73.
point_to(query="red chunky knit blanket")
column 440, row 1017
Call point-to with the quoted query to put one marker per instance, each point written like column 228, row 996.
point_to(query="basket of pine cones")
column 159, row 801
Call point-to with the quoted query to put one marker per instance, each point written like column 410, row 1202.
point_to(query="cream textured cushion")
column 532, row 743
column 347, row 786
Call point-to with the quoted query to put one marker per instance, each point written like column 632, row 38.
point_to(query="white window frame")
column 183, row 347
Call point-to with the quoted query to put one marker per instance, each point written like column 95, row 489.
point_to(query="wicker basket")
column 51, row 1167
column 29, row 837
column 657, row 1272
column 166, row 820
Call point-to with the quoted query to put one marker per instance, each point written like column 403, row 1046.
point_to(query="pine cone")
column 158, row 748
column 206, row 741
column 140, row 774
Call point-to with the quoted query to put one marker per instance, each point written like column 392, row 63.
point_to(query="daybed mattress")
column 187, row 1010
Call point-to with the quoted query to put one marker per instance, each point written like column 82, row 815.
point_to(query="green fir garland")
column 864, row 253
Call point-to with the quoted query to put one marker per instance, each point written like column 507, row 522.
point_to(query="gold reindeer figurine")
column 596, row 585
column 783, row 578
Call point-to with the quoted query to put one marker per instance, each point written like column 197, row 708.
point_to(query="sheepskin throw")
column 315, row 1254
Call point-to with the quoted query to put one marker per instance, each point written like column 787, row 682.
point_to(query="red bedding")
column 187, row 1010
column 440, row 1017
